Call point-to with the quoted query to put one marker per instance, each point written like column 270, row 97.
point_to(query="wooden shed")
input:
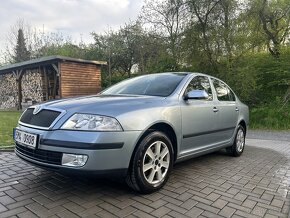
column 48, row 78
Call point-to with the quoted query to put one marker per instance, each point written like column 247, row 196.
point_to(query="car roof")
column 188, row 73
column 195, row 73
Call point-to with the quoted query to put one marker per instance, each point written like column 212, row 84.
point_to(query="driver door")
column 198, row 117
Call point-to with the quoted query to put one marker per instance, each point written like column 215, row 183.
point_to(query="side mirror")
column 196, row 94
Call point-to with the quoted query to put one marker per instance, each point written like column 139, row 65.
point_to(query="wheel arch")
column 162, row 127
column 244, row 125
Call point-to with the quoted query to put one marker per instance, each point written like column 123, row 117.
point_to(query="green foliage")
column 121, row 49
column 115, row 79
column 21, row 51
column 270, row 117
column 67, row 49
column 243, row 81
column 163, row 63
column 257, row 78
column 273, row 75
column 8, row 122
column 273, row 17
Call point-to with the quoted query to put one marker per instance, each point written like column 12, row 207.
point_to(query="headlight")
column 92, row 122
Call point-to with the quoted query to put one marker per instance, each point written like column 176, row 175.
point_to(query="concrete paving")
column 283, row 135
column 215, row 185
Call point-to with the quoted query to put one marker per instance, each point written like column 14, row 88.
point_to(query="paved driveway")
column 253, row 185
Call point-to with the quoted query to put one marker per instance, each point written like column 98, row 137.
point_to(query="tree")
column 168, row 19
column 201, row 21
column 50, row 43
column 21, row 51
column 67, row 49
column 18, row 38
column 121, row 49
column 274, row 18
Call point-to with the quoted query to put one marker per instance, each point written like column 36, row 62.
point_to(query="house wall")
column 78, row 79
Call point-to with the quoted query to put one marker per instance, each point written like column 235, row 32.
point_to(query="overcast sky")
column 76, row 18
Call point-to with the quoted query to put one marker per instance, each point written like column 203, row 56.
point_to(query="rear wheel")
column 151, row 164
column 239, row 144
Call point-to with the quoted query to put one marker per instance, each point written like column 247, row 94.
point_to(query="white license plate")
column 25, row 138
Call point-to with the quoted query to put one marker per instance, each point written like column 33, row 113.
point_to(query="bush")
column 270, row 117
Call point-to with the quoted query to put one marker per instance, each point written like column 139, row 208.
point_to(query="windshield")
column 162, row 84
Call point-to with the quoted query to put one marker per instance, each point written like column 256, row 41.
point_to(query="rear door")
column 227, row 111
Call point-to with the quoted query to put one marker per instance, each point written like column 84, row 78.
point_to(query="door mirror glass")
column 196, row 94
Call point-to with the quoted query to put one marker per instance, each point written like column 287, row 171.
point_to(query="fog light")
column 74, row 160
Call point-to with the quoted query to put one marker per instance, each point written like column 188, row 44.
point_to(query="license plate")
column 25, row 138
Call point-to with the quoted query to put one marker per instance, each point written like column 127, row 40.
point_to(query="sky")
column 74, row 18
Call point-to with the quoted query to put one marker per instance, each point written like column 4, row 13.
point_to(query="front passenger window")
column 200, row 83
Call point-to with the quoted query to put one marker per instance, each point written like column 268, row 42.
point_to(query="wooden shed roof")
column 44, row 61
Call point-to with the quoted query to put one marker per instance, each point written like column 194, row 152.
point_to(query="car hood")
column 111, row 105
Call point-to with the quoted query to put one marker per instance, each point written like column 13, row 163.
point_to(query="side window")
column 200, row 83
column 223, row 92
column 231, row 95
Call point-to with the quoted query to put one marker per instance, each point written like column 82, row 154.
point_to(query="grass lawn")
column 8, row 120
column 270, row 118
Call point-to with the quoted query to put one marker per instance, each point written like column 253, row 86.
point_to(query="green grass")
column 270, row 117
column 8, row 120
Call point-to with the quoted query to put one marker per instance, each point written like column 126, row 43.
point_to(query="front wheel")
column 151, row 163
column 239, row 144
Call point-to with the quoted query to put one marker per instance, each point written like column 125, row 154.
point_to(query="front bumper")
column 107, row 151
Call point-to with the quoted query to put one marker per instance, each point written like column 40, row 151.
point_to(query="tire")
column 239, row 144
column 151, row 163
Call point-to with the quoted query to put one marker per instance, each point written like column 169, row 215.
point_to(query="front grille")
column 42, row 119
column 50, row 157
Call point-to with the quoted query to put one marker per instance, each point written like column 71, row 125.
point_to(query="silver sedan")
column 137, row 128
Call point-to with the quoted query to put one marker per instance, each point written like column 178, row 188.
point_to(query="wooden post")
column 18, row 75
column 55, row 79
column 46, row 84
column 59, row 79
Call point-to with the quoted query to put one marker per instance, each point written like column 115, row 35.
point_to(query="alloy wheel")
column 156, row 162
column 240, row 140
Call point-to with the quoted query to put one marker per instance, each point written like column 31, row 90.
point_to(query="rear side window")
column 223, row 91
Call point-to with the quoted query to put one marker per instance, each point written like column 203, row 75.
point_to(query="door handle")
column 215, row 109
column 237, row 109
